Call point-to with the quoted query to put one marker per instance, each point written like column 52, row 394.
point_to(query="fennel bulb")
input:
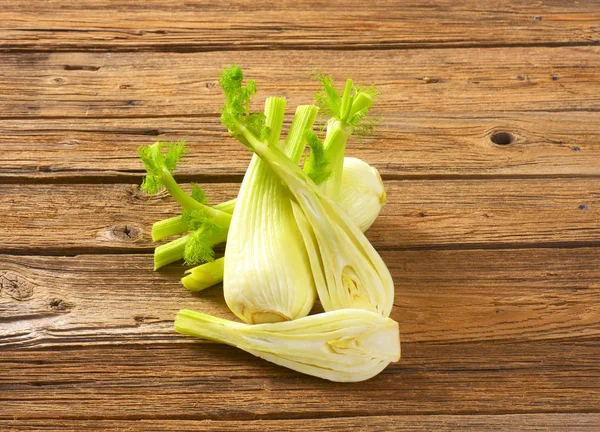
column 347, row 345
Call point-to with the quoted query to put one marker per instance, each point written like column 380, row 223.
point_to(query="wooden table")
column 494, row 247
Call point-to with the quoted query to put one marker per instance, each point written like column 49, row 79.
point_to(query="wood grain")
column 239, row 25
column 493, row 248
column 405, row 145
column 410, row 423
column 133, row 84
column 209, row 381
column 441, row 296
column 419, row 214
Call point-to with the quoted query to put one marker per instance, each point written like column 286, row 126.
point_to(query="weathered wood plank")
column 83, row 218
column 209, row 381
column 485, row 331
column 441, row 296
column 409, row 423
column 80, row 84
column 407, row 144
column 241, row 25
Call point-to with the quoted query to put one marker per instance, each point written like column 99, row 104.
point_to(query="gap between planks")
column 75, row 252
column 541, row 417
column 102, row 177
column 380, row 46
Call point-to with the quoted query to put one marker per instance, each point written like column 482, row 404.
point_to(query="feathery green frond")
column 237, row 103
column 199, row 247
column 194, row 218
column 366, row 126
column 150, row 156
column 157, row 162
column 198, row 194
column 351, row 108
column 175, row 151
column 328, row 99
column 151, row 184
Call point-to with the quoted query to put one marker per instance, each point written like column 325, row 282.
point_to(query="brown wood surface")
column 494, row 249
column 418, row 214
column 134, row 84
column 240, row 25
column 442, row 296
column 411, row 423
column 424, row 145
column 203, row 380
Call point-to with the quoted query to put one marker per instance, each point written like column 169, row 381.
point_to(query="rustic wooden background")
column 495, row 249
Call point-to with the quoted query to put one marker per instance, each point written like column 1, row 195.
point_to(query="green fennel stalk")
column 210, row 223
column 324, row 164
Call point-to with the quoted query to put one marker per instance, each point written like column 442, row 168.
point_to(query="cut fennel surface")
column 346, row 345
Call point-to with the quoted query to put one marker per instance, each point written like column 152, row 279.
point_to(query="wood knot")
column 59, row 305
column 502, row 138
column 211, row 85
column 58, row 80
column 137, row 194
column 15, row 286
column 124, row 232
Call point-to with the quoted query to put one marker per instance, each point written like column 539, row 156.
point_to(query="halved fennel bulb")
column 346, row 345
